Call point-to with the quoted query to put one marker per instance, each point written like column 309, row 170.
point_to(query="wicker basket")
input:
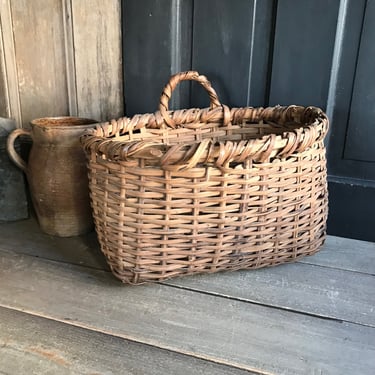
column 206, row 190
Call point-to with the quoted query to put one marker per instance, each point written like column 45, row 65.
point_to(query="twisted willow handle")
column 172, row 84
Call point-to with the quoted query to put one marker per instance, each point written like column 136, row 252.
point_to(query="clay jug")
column 57, row 174
column 13, row 201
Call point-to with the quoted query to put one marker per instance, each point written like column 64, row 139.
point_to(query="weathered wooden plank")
column 226, row 331
column 4, row 101
column 11, row 98
column 25, row 237
column 40, row 55
column 346, row 254
column 321, row 291
column 58, row 62
column 98, row 56
column 301, row 287
column 69, row 56
column 34, row 345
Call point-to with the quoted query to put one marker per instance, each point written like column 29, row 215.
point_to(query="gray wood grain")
column 98, row 56
column 304, row 287
column 60, row 57
column 34, row 345
column 8, row 63
column 4, row 106
column 346, row 254
column 25, row 237
column 226, row 331
column 70, row 63
column 40, row 57
column 310, row 289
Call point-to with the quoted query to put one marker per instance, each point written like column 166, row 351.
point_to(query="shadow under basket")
column 205, row 190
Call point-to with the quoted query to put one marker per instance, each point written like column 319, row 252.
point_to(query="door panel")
column 227, row 47
column 302, row 56
column 268, row 52
column 156, row 44
column 361, row 127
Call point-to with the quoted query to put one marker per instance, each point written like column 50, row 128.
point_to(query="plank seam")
column 170, row 283
column 275, row 307
column 42, row 258
column 214, row 294
column 10, row 68
column 303, row 261
column 130, row 338
column 71, row 72
column 335, row 268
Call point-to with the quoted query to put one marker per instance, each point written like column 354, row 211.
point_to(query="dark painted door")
column 268, row 52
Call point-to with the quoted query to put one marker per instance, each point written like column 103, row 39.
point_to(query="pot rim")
column 62, row 122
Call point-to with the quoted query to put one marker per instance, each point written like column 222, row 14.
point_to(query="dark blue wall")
column 267, row 52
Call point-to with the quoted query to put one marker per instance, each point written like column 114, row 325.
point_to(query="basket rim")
column 105, row 138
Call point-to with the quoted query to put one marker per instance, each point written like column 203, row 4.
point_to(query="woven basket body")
column 192, row 191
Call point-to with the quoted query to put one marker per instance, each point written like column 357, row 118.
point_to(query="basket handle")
column 172, row 84
column 11, row 149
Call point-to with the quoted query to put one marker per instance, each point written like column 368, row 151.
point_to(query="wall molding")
column 8, row 59
column 71, row 73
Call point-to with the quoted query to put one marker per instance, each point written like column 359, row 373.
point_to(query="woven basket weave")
column 205, row 190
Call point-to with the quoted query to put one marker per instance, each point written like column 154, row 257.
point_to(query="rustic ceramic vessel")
column 57, row 174
column 13, row 201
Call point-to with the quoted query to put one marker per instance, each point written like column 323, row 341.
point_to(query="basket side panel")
column 154, row 224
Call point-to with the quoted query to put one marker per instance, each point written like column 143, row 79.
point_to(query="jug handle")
column 16, row 158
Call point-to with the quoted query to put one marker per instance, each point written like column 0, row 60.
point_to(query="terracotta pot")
column 57, row 174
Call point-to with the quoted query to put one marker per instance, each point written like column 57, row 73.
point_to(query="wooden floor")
column 62, row 312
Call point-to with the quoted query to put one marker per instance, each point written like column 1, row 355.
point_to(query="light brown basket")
column 206, row 190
